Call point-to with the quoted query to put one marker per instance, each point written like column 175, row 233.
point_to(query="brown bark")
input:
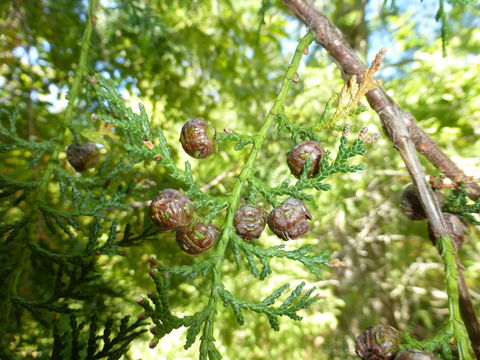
column 468, row 312
column 406, row 135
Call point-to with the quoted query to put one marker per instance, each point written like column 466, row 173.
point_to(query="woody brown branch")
column 406, row 136
column 468, row 312
column 331, row 38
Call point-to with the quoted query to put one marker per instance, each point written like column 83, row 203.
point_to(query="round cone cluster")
column 172, row 211
column 249, row 222
column 379, row 342
column 197, row 237
column 411, row 205
column 197, row 138
column 289, row 220
column 83, row 157
column 299, row 155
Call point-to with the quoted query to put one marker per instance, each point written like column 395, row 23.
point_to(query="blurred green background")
column 224, row 61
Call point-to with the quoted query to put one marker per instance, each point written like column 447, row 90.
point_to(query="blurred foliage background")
column 224, row 60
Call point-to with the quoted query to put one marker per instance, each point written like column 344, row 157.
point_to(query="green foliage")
column 338, row 165
column 463, row 2
column 437, row 343
column 146, row 143
column 459, row 203
column 441, row 16
column 297, row 132
column 137, row 132
column 240, row 140
column 73, row 246
column 110, row 344
column 251, row 251
column 73, row 273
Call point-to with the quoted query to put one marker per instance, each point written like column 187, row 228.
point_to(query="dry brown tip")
column 363, row 133
column 336, row 263
column 346, row 130
column 149, row 144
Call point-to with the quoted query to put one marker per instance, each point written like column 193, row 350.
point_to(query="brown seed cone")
column 197, row 139
column 299, row 155
column 249, row 222
column 197, row 237
column 170, row 210
column 414, row 355
column 83, row 157
column 289, row 220
column 456, row 228
column 411, row 205
column 378, row 343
